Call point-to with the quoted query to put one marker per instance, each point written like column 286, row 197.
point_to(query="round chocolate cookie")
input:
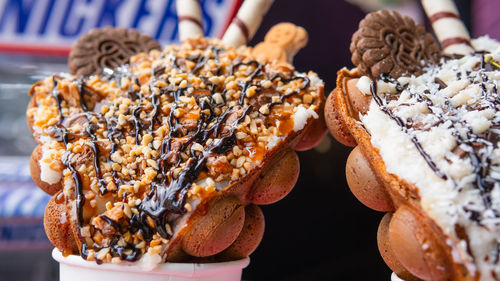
column 391, row 44
column 107, row 47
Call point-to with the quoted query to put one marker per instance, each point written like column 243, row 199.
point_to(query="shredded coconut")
column 301, row 116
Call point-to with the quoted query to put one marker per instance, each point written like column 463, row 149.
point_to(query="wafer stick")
column 189, row 17
column 449, row 28
column 246, row 22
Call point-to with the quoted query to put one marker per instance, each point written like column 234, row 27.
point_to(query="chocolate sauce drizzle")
column 90, row 131
column 61, row 134
column 306, row 82
column 81, row 92
column 403, row 126
column 167, row 196
column 57, row 96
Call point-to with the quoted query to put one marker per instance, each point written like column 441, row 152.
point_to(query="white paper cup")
column 394, row 277
column 74, row 268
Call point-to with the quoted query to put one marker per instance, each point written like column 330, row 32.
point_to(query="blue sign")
column 51, row 26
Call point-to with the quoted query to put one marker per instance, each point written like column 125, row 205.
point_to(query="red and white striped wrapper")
column 448, row 27
column 246, row 22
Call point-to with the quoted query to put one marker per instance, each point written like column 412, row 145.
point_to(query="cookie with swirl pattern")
column 107, row 47
column 388, row 43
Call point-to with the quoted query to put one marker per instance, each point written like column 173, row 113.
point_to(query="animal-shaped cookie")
column 282, row 42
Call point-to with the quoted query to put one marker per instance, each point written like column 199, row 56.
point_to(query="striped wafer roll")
column 189, row 16
column 449, row 28
column 246, row 22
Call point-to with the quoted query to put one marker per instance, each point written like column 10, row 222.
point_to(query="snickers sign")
column 50, row 27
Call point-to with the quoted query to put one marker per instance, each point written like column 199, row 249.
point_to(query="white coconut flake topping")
column 363, row 85
column 149, row 261
column 441, row 132
column 47, row 174
column 301, row 116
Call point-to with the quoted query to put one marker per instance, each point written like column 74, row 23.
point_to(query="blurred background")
column 318, row 232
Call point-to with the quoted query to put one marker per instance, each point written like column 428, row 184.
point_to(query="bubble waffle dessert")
column 164, row 155
column 425, row 127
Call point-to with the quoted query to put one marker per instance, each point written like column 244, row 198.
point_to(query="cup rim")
column 174, row 269
column 395, row 277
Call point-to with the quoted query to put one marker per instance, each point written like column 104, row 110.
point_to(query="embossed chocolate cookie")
column 107, row 47
column 389, row 43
